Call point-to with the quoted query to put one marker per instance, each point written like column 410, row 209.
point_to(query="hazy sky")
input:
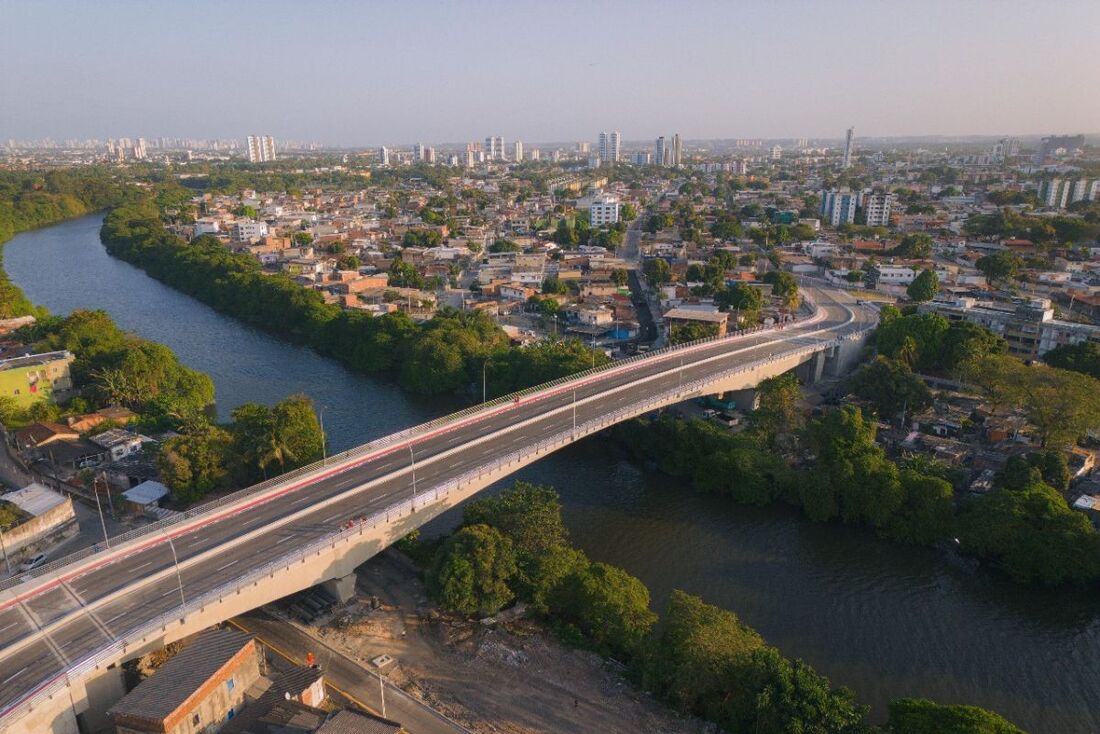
column 363, row 73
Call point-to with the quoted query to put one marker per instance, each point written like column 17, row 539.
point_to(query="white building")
column 517, row 151
column 248, row 231
column 877, row 208
column 604, row 211
column 383, row 156
column 261, row 148
column 494, row 148
column 205, row 226
column 892, row 274
column 838, row 206
column 609, row 148
column 848, row 141
column 777, row 152
column 677, row 150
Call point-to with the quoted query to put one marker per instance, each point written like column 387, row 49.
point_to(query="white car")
column 33, row 562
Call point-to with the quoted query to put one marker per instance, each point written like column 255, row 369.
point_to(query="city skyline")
column 435, row 73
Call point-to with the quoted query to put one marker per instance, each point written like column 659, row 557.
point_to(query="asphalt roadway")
column 30, row 659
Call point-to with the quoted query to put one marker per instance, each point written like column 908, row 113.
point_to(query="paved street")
column 345, row 676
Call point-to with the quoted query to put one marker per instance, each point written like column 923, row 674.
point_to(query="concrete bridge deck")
column 62, row 631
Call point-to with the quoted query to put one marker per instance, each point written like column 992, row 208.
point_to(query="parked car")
column 33, row 562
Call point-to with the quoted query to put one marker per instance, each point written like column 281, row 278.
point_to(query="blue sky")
column 365, row 73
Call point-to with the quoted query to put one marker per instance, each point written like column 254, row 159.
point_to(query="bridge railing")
column 159, row 527
column 160, row 623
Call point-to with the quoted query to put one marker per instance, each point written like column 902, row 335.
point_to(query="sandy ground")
column 514, row 677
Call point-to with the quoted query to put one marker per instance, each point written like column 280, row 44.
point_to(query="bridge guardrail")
column 400, row 509
column 410, row 434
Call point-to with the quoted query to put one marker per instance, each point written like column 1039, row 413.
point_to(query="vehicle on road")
column 33, row 562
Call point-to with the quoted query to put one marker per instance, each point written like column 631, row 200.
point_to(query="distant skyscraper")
column 777, row 152
column 418, row 152
column 677, row 150
column 534, row 154
column 659, row 151
column 139, row 149
column 494, row 148
column 383, row 156
column 261, row 148
column 517, row 151
column 849, row 139
column 609, row 148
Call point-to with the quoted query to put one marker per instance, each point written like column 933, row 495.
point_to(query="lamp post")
column 484, row 383
column 324, row 438
column 179, row 578
column 574, row 413
column 412, row 461
column 7, row 563
column 102, row 521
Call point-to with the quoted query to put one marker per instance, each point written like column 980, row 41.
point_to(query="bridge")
column 66, row 628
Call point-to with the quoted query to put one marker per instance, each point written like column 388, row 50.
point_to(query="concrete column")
column 102, row 690
column 342, row 588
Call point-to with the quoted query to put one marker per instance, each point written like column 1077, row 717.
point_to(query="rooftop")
column 33, row 360
column 34, row 499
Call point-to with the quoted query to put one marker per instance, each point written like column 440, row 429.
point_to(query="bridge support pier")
column 811, row 371
column 94, row 695
column 342, row 588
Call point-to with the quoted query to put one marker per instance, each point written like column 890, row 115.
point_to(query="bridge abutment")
column 343, row 588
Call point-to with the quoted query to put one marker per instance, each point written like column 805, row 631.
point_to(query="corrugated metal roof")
column 34, row 499
column 356, row 722
column 157, row 697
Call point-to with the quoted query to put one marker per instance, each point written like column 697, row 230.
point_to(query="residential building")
column 119, row 443
column 677, row 150
column 838, row 206
column 249, row 231
column 777, row 152
column 609, row 148
column 659, row 151
column 261, row 148
column 877, row 207
column 517, row 151
column 48, row 516
column 849, row 140
column 36, row 377
column 494, row 148
column 891, row 275
column 1028, row 325
column 692, row 316
column 196, row 691
column 383, row 156
column 604, row 211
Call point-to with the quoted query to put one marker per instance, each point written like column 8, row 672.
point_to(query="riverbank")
column 885, row 620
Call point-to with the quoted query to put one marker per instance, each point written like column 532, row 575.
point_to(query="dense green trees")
column 1083, row 358
column 442, row 355
column 657, row 271
column 706, row 662
column 924, row 287
column 921, row 716
column 930, row 343
column 1000, row 266
column 472, row 571
column 891, row 387
column 681, row 333
column 916, row 245
column 1032, row 534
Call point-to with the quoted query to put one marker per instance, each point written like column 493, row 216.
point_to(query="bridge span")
column 64, row 631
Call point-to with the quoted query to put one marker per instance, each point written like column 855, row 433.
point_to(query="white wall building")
column 261, row 148
column 877, row 208
column 604, row 211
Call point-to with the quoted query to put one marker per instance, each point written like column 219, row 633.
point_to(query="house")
column 145, row 497
column 692, row 316
column 88, row 421
column 48, row 516
column 196, row 691
column 39, row 435
column 120, row 443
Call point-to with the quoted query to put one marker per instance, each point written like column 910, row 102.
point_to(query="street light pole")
column 484, row 366
column 179, row 578
column 324, row 438
column 574, row 412
column 382, row 691
column 412, row 461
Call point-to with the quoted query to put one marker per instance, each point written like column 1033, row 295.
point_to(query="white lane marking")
column 170, row 591
column 8, row 626
column 289, row 537
column 147, row 563
column 120, row 614
column 222, row 568
column 303, row 498
column 330, row 519
column 15, row 675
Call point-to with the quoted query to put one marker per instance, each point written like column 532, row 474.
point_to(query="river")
column 885, row 620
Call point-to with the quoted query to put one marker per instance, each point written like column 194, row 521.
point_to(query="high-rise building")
column 517, row 151
column 418, row 152
column 838, row 206
column 261, row 148
column 383, row 156
column 848, row 141
column 659, row 151
column 877, row 207
column 777, row 152
column 642, row 158
column 677, row 150
column 494, row 148
column 139, row 149
column 1057, row 193
column 535, row 154
column 604, row 211
column 609, row 148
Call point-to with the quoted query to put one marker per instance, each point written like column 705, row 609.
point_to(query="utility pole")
column 574, row 412
column 324, row 438
column 103, row 522
column 7, row 563
column 412, row 461
column 484, row 391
